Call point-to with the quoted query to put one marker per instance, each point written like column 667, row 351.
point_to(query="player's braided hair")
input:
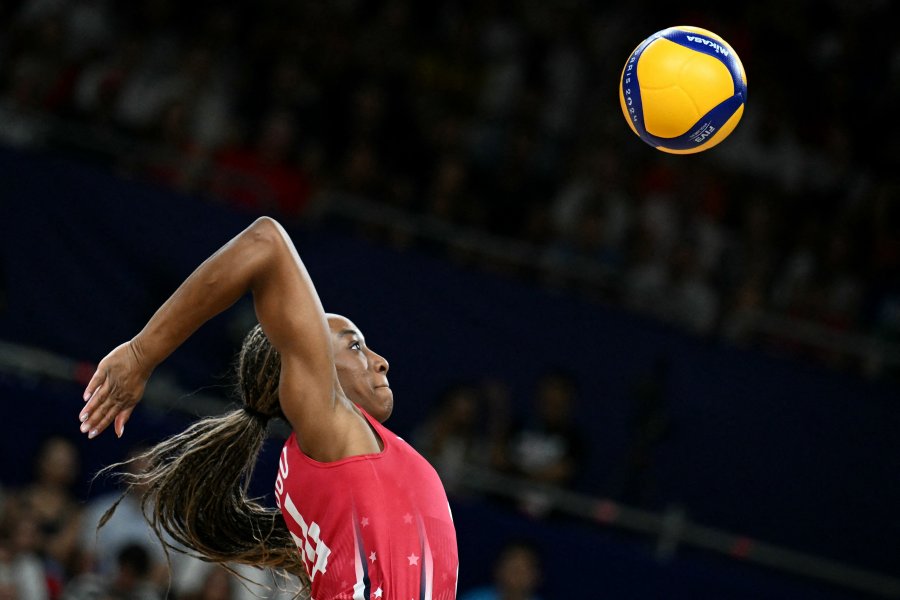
column 197, row 480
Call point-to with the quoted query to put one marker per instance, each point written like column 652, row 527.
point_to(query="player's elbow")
column 266, row 232
column 265, row 229
column 265, row 241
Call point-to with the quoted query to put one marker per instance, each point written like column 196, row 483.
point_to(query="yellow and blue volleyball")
column 683, row 90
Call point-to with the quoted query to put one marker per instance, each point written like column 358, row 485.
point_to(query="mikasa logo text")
column 717, row 47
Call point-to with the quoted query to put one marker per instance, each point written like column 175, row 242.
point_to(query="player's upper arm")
column 291, row 315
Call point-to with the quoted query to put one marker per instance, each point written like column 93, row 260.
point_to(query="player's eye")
column 355, row 346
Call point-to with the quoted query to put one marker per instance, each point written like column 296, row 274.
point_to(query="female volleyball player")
column 362, row 514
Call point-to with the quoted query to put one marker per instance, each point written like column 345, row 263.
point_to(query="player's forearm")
column 215, row 285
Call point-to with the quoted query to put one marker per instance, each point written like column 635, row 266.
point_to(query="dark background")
column 138, row 138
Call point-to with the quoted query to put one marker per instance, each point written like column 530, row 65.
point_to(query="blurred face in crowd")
column 58, row 463
column 361, row 371
column 518, row 571
column 461, row 408
column 554, row 401
column 26, row 534
column 217, row 585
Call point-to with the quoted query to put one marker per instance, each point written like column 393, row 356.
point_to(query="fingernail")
column 92, row 434
column 86, row 396
column 83, row 417
column 84, row 427
column 122, row 431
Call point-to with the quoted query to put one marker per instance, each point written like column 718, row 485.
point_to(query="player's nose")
column 381, row 363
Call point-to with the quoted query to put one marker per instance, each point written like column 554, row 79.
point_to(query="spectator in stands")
column 126, row 527
column 198, row 580
column 218, row 584
column 646, row 276
column 264, row 175
column 49, row 500
column 130, row 580
column 517, row 575
column 22, row 572
column 547, row 448
column 693, row 300
column 450, row 438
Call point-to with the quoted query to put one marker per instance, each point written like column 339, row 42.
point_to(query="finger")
column 92, row 405
column 95, row 382
column 100, row 404
column 100, row 420
column 121, row 419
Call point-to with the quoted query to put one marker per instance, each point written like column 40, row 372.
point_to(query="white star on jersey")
column 372, row 557
column 413, row 559
column 378, row 592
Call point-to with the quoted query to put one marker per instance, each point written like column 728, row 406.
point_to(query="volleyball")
column 683, row 90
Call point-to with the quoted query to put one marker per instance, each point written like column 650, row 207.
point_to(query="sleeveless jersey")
column 369, row 527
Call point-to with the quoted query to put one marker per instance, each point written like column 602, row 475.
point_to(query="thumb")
column 121, row 419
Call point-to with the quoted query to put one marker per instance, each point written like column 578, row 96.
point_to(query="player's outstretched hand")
column 113, row 391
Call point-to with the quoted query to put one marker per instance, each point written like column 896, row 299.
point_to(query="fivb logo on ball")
column 683, row 90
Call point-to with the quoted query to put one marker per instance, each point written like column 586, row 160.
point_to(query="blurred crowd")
column 502, row 119
column 474, row 424
column 51, row 547
column 498, row 118
column 539, row 445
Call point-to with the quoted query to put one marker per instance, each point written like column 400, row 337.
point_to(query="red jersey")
column 369, row 527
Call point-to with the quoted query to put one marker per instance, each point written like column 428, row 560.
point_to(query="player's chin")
column 384, row 400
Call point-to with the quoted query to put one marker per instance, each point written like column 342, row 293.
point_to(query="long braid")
column 197, row 481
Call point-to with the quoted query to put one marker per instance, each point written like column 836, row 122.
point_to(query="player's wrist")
column 142, row 354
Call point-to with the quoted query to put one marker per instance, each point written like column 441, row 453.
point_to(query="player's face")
column 361, row 371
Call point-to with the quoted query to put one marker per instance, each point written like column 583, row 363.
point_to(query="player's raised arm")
column 261, row 260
